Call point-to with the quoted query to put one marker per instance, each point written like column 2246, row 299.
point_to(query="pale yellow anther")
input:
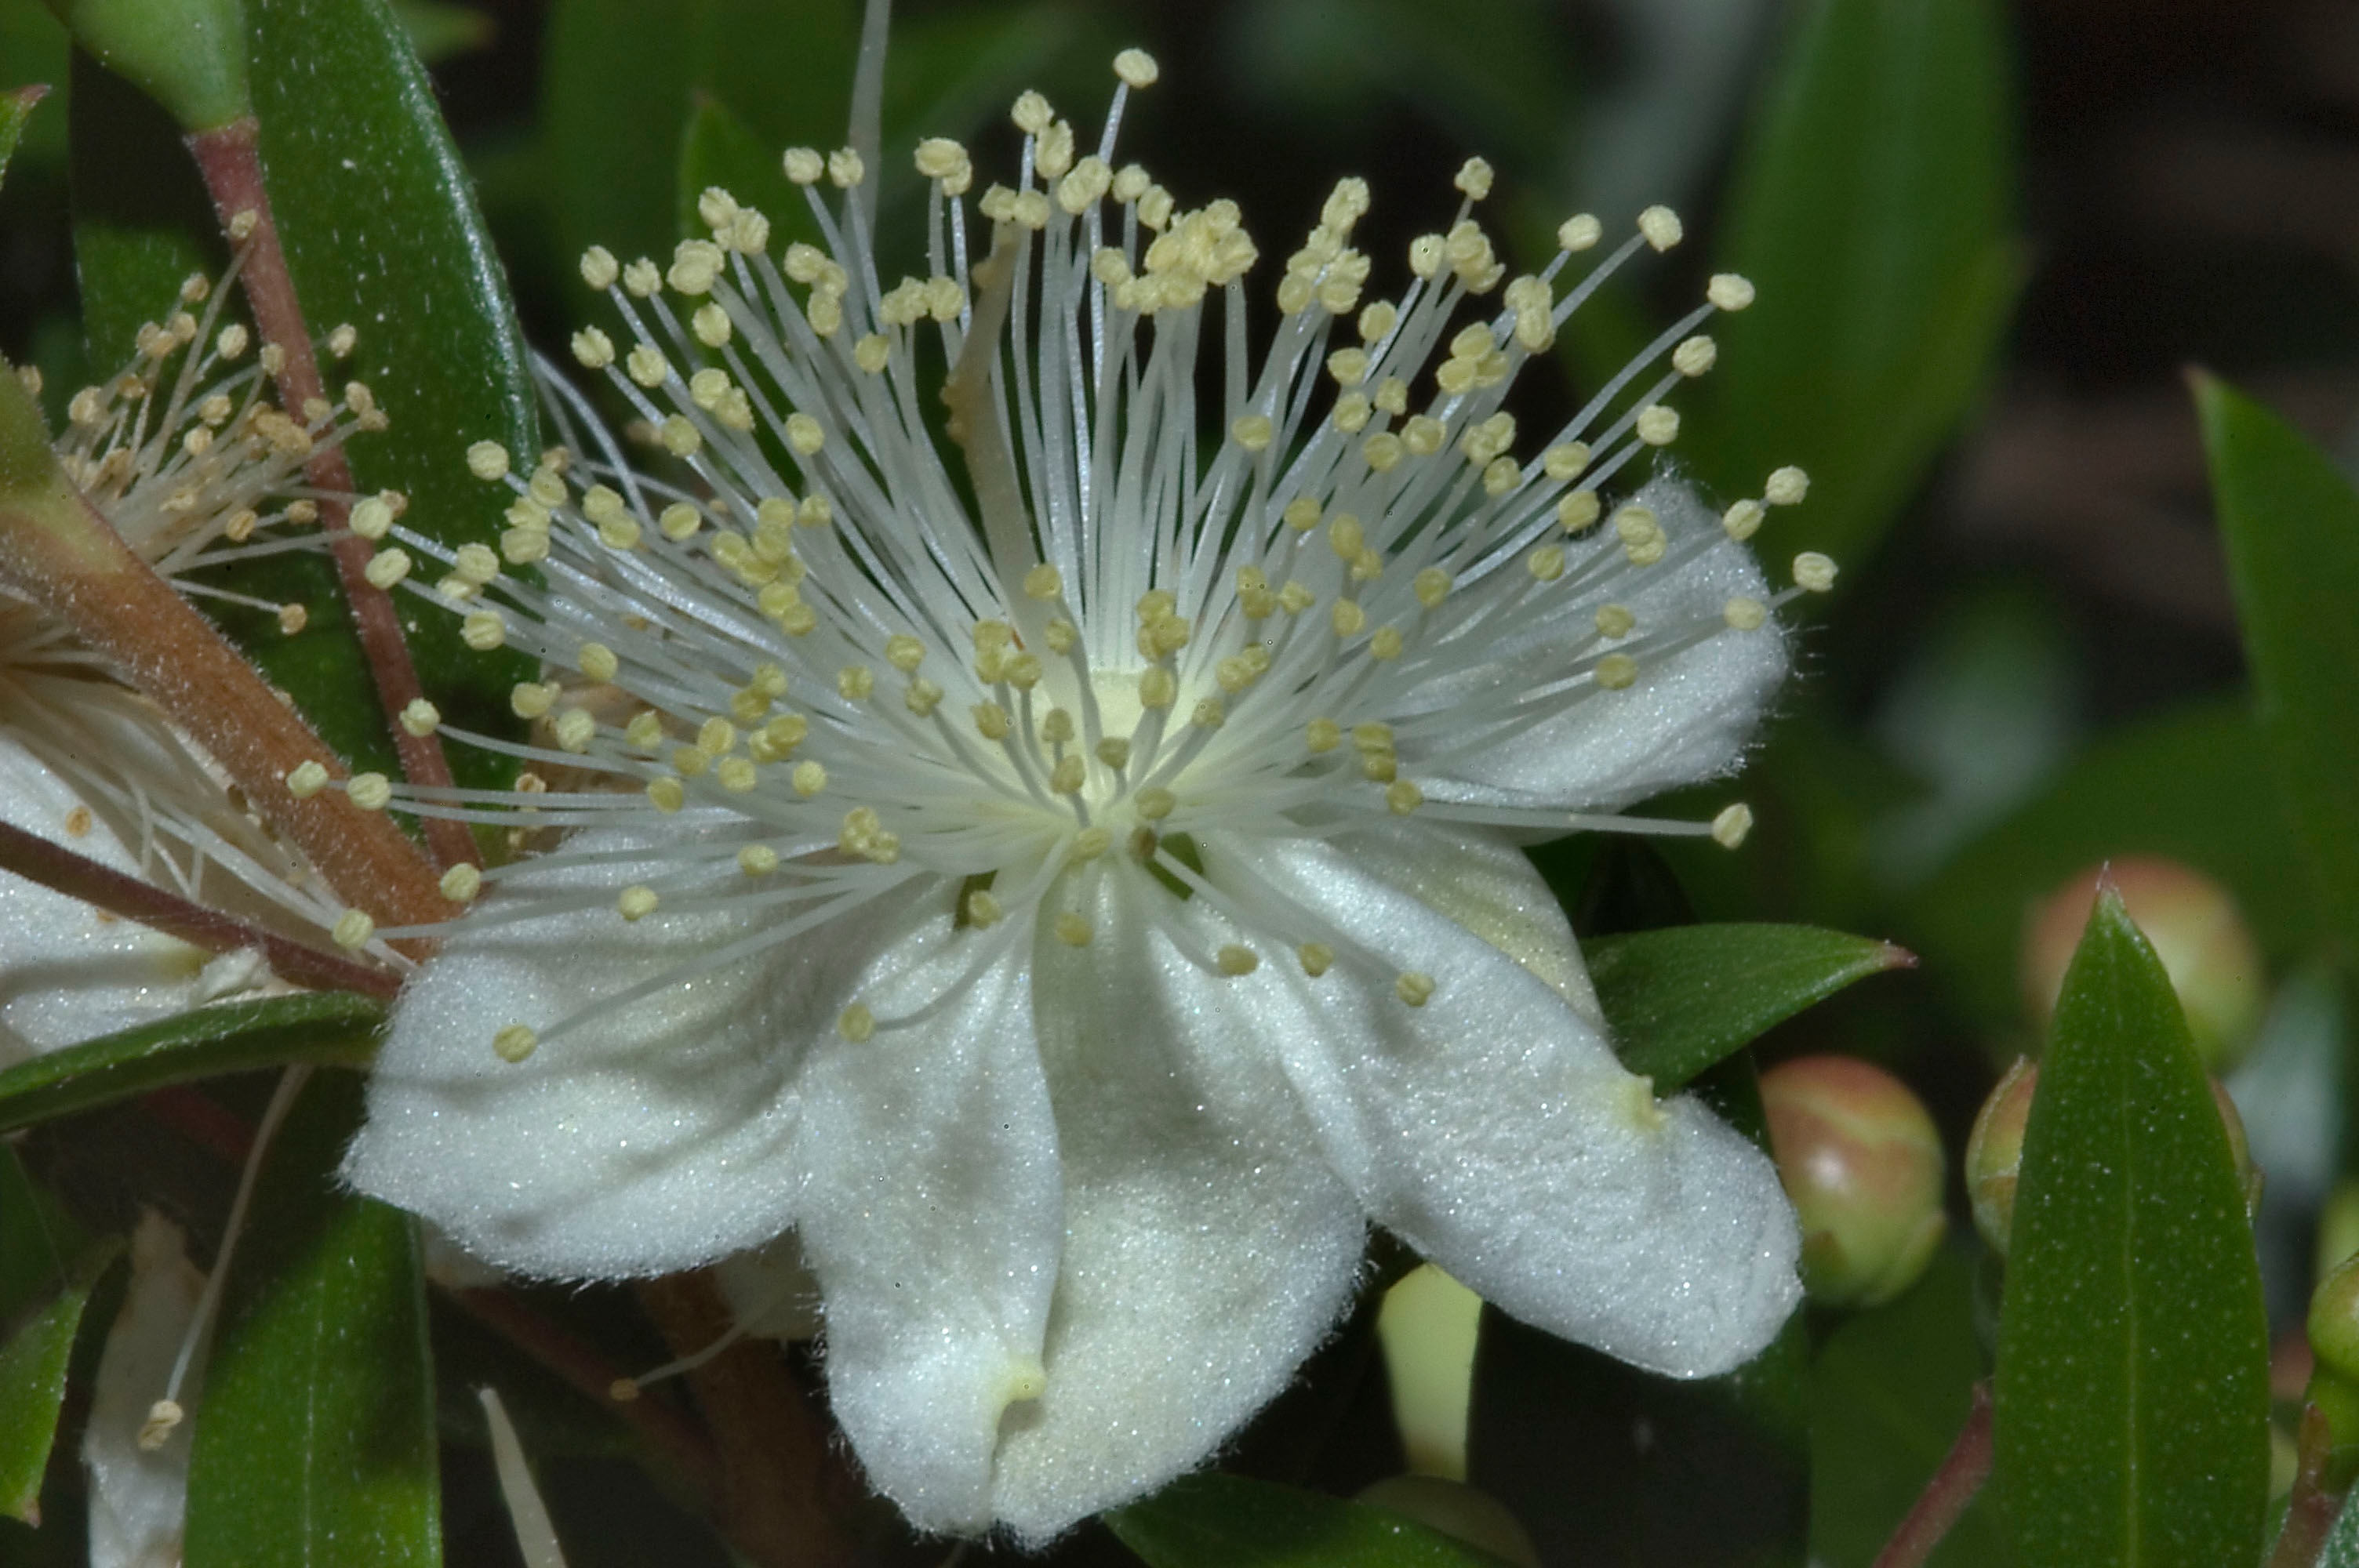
column 690, row 761
column 1546, row 564
column 1744, row 520
column 1501, row 475
column 1730, row 828
column 1056, row 726
column 991, row 721
column 808, row 778
column 1658, row 425
column 680, row 438
column 1114, row 751
column 1089, row 844
column 1137, row 68
column 1787, row 487
column 353, row 930
column 1728, row 291
column 1068, row 776
column 479, row 564
column 420, row 717
column 1616, row 672
column 645, row 731
column 853, row 682
column 1661, row 227
column 514, row 1043
column 1383, row 452
column 857, row 1024
column 1814, row 573
column 1414, row 988
column 461, row 884
column 1745, row 614
column 593, row 349
column 1252, row 432
column 1578, row 509
column 680, row 521
column 1403, row 797
column 1322, row 735
column 1031, row 114
column 1385, row 643
column 1347, row 618
column 1423, row 436
column 1695, row 356
column 306, row 780
column 1431, row 585
column 1295, row 598
column 1071, row 929
column 844, row 169
column 487, row 460
column 483, row 630
column 1579, row 233
column 982, row 910
column 695, row 264
column 647, row 365
column 574, row 729
column 804, row 434
column 716, row 737
column 373, row 518
column 1210, row 713
column 1022, row 671
column 939, row 158
column 667, row 794
column 1616, row 622
column 388, row 568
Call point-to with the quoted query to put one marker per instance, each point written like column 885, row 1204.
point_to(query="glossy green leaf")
column 41, row 1312
column 327, row 1028
column 2340, row 1549
column 2183, row 785
column 316, row 1448
column 1872, row 209
column 381, row 229
column 1227, row 1521
column 2132, row 1351
column 1889, row 1391
column 1684, row 998
column 1600, row 1461
column 34, row 45
column 2291, row 525
column 16, row 109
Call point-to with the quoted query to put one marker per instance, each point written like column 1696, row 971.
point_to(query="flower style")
column 1066, row 875
column 184, row 456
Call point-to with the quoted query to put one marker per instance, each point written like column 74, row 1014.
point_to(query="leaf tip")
column 1893, row 955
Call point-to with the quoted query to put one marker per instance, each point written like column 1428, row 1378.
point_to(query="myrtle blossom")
column 1065, row 873
column 183, row 453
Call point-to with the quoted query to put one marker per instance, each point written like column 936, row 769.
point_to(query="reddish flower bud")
column 1994, row 1151
column 1862, row 1163
column 2198, row 933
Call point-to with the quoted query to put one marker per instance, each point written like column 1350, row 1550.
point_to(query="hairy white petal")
column 930, row 1209
column 138, row 1498
column 1492, row 1130
column 67, row 971
column 1208, row 1248
column 653, row 1136
column 1685, row 720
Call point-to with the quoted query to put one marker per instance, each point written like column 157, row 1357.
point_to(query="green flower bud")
column 2334, row 1377
column 1862, row 1163
column 1994, row 1152
column 2338, row 1226
column 2198, row 933
column 1458, row 1511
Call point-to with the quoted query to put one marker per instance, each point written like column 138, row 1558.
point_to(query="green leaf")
column 381, row 230
column 719, row 148
column 36, row 1337
column 2291, row 523
column 141, row 219
column 1682, row 998
column 315, row 1447
column 2340, row 1549
column 1889, row 1391
column 327, row 1028
column 16, row 108
column 2133, row 1352
column 1227, row 1521
column 1872, row 208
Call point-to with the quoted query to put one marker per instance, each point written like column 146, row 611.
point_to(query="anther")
column 1814, row 573
column 1661, row 226
column 1043, row 582
column 353, row 930
column 1787, row 487
column 306, row 780
column 1234, row 959
column 1617, row 672
column 1729, row 292
column 1071, row 929
column 1743, row 520
column 487, row 460
column 1745, row 614
column 1403, row 797
column 1579, row 233
column 857, row 1024
column 370, row 792
column 1316, row 958
column 637, row 902
column 1414, row 988
column 462, row 882
column 1729, row 829
column 514, row 1043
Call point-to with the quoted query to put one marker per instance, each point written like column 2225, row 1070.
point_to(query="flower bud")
column 1862, row 1163
column 1458, row 1511
column 2198, row 933
column 2333, row 1388
column 1994, row 1152
column 2338, row 1226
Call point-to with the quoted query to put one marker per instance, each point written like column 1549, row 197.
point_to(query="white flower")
column 1077, row 910
column 138, row 1474
column 185, row 457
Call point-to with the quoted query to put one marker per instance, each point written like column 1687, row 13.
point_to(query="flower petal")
column 648, row 1138
column 1687, row 717
column 931, row 1211
column 1494, row 1130
column 1208, row 1248
column 67, row 972
column 138, row 1496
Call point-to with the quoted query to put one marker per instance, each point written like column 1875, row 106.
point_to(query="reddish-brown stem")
column 1945, row 1496
column 229, row 159
column 2310, row 1510
column 77, row 875
column 781, row 1487
column 116, row 604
